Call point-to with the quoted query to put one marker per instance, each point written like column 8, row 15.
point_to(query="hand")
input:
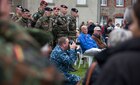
column 73, row 46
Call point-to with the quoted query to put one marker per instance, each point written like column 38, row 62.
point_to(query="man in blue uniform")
column 64, row 59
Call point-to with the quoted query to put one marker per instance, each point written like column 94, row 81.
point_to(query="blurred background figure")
column 127, row 18
column 91, row 27
column 46, row 50
column 117, row 26
column 18, row 13
column 97, row 36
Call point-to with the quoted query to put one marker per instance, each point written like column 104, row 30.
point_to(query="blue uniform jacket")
column 63, row 60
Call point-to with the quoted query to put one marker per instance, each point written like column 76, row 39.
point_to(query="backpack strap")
column 92, row 67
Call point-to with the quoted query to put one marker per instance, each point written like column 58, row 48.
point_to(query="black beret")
column 48, row 9
column 74, row 10
column 25, row 10
column 19, row 6
column 63, row 6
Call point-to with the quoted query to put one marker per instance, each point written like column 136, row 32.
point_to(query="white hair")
column 127, row 14
column 118, row 36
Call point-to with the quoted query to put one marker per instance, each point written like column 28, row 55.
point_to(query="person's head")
column 118, row 36
column 56, row 10
column 4, row 9
column 19, row 9
column 90, row 22
column 63, row 9
column 74, row 12
column 127, row 15
column 97, row 30
column 48, row 11
column 63, row 42
column 118, row 25
column 25, row 13
column 43, row 4
column 84, row 29
column 135, row 26
column 109, row 22
column 46, row 50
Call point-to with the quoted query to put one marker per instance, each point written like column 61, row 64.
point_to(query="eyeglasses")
column 56, row 8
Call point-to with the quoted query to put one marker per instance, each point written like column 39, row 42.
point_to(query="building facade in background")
column 88, row 9
column 114, row 9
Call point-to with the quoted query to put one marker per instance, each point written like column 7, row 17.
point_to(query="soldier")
column 25, row 21
column 40, row 12
column 20, row 59
column 44, row 22
column 72, row 23
column 62, row 22
column 55, row 18
column 18, row 13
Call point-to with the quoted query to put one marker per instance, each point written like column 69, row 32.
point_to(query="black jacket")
column 123, row 65
column 91, row 29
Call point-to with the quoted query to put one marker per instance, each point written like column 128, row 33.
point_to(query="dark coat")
column 91, row 29
column 123, row 65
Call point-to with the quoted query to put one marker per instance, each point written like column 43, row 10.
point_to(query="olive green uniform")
column 44, row 23
column 26, row 23
column 72, row 27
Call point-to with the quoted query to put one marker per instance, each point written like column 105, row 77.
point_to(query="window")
column 81, row 2
column 103, row 20
column 103, row 2
column 119, row 3
column 50, row 1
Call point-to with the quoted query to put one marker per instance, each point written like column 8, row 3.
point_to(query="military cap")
column 63, row 6
column 48, row 9
column 43, row 2
column 25, row 10
column 74, row 10
column 56, row 8
column 19, row 6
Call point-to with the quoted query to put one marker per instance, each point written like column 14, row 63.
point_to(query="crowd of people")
column 24, row 62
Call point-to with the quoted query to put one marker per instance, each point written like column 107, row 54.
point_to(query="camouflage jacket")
column 26, row 23
column 37, row 15
column 60, row 26
column 63, row 61
column 20, row 57
column 72, row 26
column 44, row 23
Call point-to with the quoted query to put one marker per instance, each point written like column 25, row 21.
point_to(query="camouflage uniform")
column 72, row 27
column 20, row 58
column 36, row 16
column 63, row 61
column 44, row 23
column 60, row 26
column 26, row 23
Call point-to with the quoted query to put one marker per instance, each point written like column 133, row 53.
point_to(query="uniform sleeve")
column 68, row 59
column 38, row 24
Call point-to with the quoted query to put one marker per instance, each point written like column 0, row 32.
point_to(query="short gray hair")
column 118, row 36
column 127, row 14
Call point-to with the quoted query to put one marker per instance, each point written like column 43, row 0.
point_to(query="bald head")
column 84, row 29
